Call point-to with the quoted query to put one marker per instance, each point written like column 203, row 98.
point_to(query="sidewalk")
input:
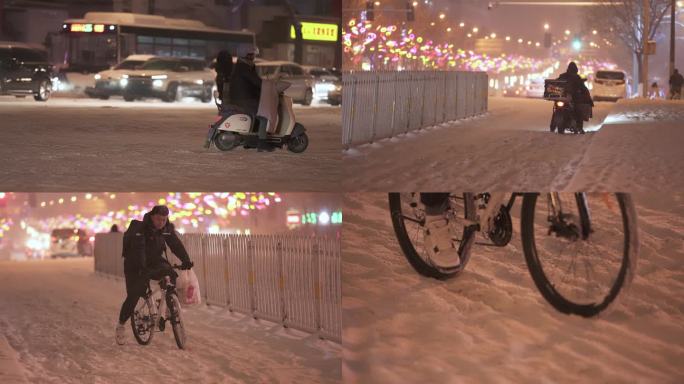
column 10, row 369
column 638, row 148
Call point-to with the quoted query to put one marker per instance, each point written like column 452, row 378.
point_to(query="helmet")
column 245, row 50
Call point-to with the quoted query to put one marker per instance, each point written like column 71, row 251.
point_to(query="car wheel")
column 44, row 91
column 171, row 93
column 308, row 97
column 128, row 97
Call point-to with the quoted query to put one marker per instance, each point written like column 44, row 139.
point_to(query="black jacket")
column 576, row 88
column 144, row 246
column 245, row 83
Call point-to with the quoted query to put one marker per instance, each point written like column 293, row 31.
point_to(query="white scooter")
column 234, row 127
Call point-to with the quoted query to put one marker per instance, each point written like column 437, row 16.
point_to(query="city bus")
column 102, row 39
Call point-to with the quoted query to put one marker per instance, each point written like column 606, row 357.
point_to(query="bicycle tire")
column 145, row 322
column 547, row 289
column 176, row 320
column 417, row 262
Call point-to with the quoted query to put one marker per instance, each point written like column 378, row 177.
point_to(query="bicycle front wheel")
column 143, row 321
column 176, row 320
column 408, row 216
column 581, row 249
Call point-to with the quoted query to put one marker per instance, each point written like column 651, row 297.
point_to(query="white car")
column 609, row 85
column 535, row 88
column 107, row 82
column 169, row 79
column 70, row 242
column 301, row 83
column 324, row 83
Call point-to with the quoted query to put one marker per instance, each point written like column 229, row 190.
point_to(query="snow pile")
column 646, row 110
column 65, row 334
column 492, row 325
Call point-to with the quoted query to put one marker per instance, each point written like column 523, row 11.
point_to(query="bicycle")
column 146, row 317
column 570, row 241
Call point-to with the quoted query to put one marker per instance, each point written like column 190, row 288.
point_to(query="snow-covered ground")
column 491, row 324
column 511, row 148
column 70, row 144
column 57, row 326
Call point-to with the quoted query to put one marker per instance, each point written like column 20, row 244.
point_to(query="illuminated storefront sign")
column 316, row 31
column 295, row 218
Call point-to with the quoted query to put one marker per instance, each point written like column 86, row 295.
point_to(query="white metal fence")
column 383, row 104
column 292, row 280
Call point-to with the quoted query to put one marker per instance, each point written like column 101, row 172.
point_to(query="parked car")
column 324, row 82
column 335, row 95
column 609, row 85
column 535, row 88
column 169, row 79
column 70, row 242
column 301, row 88
column 24, row 71
column 107, row 82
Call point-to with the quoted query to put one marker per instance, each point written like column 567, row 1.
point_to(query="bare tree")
column 623, row 20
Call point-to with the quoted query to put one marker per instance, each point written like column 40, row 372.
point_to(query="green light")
column 576, row 44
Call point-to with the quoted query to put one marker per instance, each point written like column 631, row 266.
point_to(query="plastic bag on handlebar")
column 188, row 288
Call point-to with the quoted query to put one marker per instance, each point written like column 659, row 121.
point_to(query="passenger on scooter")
column 245, row 91
column 577, row 91
column 224, row 69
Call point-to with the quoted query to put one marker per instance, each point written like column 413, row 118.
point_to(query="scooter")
column 564, row 117
column 234, row 127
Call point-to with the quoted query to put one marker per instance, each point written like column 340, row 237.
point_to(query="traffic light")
column 577, row 44
column 370, row 7
column 410, row 12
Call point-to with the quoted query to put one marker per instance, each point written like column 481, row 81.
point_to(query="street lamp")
column 567, row 32
column 475, row 29
column 594, row 32
column 508, row 38
column 546, row 26
column 442, row 16
column 520, row 41
column 462, row 24
column 493, row 35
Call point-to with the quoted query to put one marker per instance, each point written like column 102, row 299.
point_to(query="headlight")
column 159, row 77
column 157, row 83
column 97, row 76
column 123, row 82
column 560, row 103
column 200, row 82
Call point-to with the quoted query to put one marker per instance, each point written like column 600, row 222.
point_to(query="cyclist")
column 144, row 247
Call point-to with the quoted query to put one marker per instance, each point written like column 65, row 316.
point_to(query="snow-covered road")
column 491, row 324
column 511, row 148
column 70, row 144
column 57, row 326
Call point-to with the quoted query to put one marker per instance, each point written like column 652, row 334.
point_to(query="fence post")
column 226, row 272
column 250, row 256
column 317, row 285
column 281, row 280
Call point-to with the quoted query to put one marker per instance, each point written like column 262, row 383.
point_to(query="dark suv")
column 24, row 70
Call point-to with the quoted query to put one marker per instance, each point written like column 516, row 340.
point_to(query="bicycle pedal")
column 162, row 324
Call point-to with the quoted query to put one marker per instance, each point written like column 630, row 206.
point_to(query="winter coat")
column 576, row 88
column 676, row 80
column 245, row 86
column 144, row 246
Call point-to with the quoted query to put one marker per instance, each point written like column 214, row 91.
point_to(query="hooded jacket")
column 145, row 246
column 576, row 88
column 245, row 86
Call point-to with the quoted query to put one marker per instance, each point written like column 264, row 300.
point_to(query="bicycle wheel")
column 142, row 321
column 582, row 258
column 176, row 320
column 408, row 215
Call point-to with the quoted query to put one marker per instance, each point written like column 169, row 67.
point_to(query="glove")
column 187, row 265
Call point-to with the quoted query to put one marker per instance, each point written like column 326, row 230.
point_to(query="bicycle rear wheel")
column 142, row 321
column 176, row 320
column 583, row 258
column 407, row 216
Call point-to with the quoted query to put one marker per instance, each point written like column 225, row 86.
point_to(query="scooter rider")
column 245, row 90
column 144, row 247
column 578, row 91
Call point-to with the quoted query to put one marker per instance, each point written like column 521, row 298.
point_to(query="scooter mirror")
column 281, row 85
